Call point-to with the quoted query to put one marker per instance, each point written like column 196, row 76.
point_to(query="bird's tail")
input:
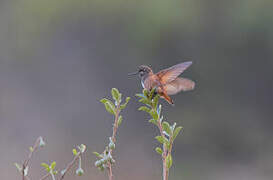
column 167, row 98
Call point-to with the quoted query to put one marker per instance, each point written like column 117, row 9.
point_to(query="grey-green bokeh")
column 58, row 58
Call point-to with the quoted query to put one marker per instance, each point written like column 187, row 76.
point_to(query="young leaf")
column 144, row 101
column 154, row 114
column 120, row 120
column 74, row 152
column 166, row 127
column 160, row 139
column 144, row 108
column 31, row 149
column 125, row 104
column 19, row 167
column 155, row 101
column 153, row 121
column 46, row 166
column 159, row 150
column 82, row 148
column 176, row 132
column 140, row 95
column 151, row 94
column 98, row 154
column 146, row 93
column 109, row 106
column 53, row 165
column 169, row 161
column 116, row 95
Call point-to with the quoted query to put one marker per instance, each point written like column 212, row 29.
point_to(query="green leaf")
column 75, row 152
column 98, row 154
column 53, row 165
column 150, row 94
column 145, row 101
column 31, row 149
column 55, row 172
column 154, row 114
column 153, row 121
column 82, row 148
column 109, row 106
column 125, row 104
column 162, row 139
column 120, row 118
column 140, row 95
column 145, row 93
column 169, row 161
column 166, row 127
column 46, row 166
column 176, row 131
column 116, row 95
column 144, row 108
column 155, row 101
column 159, row 150
column 19, row 167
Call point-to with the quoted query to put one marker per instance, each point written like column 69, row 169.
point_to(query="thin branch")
column 45, row 176
column 165, row 153
column 110, row 173
column 26, row 162
column 115, row 128
column 70, row 165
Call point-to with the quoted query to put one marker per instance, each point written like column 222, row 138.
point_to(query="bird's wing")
column 151, row 82
column 168, row 75
column 179, row 84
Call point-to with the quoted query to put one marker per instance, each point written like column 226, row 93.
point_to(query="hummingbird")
column 166, row 82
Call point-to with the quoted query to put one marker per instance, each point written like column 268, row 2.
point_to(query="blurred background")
column 59, row 58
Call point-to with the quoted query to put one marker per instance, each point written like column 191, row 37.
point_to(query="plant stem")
column 110, row 173
column 165, row 170
column 115, row 128
column 69, row 166
column 45, row 176
column 26, row 162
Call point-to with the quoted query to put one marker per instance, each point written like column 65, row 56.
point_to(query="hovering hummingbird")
column 165, row 81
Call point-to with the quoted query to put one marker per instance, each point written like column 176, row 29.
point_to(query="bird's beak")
column 133, row 73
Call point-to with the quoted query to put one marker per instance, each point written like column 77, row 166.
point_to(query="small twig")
column 70, row 165
column 165, row 153
column 110, row 173
column 26, row 162
column 45, row 176
column 115, row 128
